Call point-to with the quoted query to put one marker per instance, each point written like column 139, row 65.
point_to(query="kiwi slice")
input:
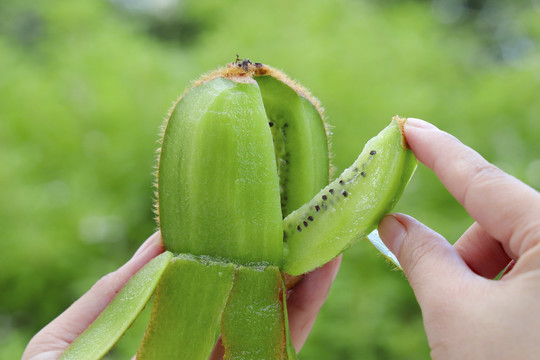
column 352, row 205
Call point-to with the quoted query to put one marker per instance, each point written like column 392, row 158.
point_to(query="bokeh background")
column 84, row 86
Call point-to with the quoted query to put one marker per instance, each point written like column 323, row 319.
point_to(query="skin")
column 467, row 314
column 303, row 303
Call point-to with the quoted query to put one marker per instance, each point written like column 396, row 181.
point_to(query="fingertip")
column 153, row 242
column 419, row 134
column 414, row 123
column 392, row 233
column 152, row 247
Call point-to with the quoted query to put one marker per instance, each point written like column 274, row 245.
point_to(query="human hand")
column 303, row 304
column 467, row 314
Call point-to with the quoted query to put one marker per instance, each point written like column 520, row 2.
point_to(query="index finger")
column 505, row 207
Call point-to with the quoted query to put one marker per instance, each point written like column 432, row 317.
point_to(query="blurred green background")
column 84, row 86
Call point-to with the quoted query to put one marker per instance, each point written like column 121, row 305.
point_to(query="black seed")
column 324, row 197
column 317, row 208
column 245, row 64
column 271, row 124
column 299, row 228
column 344, row 193
column 341, row 182
column 331, row 191
column 285, row 125
column 305, row 223
column 355, row 169
column 372, row 152
column 363, row 173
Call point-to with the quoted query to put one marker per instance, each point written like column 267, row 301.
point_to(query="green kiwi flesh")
column 252, row 326
column 189, row 301
column 352, row 205
column 196, row 296
column 300, row 142
column 218, row 186
column 119, row 314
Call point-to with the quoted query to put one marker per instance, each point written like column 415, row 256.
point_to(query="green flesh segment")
column 355, row 203
column 253, row 320
column 111, row 324
column 189, row 301
column 218, row 184
column 300, row 143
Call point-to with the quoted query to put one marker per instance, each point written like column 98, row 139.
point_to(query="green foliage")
column 84, row 86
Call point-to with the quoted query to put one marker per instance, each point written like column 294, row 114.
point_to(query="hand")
column 303, row 304
column 467, row 314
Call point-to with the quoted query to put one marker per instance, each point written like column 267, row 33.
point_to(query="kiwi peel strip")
column 243, row 159
column 111, row 324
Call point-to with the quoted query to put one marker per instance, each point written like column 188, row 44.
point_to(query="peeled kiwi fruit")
column 245, row 199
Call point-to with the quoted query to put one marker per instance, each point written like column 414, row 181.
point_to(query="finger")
column 428, row 260
column 56, row 337
column 505, row 207
column 481, row 252
column 306, row 299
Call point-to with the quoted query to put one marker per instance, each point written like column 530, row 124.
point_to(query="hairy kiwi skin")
column 352, row 205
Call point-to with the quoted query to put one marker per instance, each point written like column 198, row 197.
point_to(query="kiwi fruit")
column 224, row 182
column 243, row 158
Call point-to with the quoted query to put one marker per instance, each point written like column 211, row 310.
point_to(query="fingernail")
column 392, row 233
column 420, row 124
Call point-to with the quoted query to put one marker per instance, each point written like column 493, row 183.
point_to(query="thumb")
column 428, row 260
